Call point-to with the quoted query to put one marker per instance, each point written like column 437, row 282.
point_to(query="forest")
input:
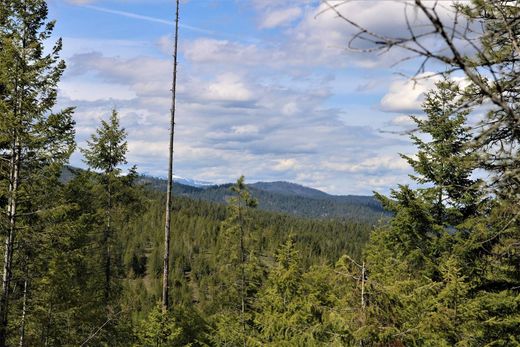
column 83, row 256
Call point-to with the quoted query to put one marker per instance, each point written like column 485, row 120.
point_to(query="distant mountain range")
column 284, row 197
column 191, row 182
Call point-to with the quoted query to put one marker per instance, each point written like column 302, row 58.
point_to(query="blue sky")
column 266, row 89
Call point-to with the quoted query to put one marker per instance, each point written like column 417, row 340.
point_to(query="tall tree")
column 240, row 271
column 167, row 226
column 106, row 151
column 406, row 259
column 35, row 141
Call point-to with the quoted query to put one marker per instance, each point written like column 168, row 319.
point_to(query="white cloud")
column 402, row 120
column 286, row 164
column 280, row 17
column 95, row 90
column 380, row 162
column 228, row 87
column 408, row 95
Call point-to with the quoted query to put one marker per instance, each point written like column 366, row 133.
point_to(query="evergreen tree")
column 34, row 140
column 297, row 307
column 446, row 160
column 106, row 151
column 240, row 271
column 406, row 259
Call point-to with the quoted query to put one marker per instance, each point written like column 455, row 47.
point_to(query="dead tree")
column 167, row 227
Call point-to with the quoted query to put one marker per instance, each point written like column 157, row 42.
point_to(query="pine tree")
column 34, row 140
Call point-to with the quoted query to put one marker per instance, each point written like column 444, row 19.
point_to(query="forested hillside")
column 84, row 254
column 287, row 198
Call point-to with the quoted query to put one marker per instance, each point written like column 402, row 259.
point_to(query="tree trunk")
column 167, row 227
column 24, row 313
column 14, row 179
column 106, row 241
column 242, row 274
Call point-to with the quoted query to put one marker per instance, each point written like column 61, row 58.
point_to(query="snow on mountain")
column 191, row 182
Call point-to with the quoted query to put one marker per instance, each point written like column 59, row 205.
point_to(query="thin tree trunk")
column 242, row 274
column 106, row 241
column 167, row 227
column 24, row 313
column 363, row 304
column 14, row 179
column 363, row 287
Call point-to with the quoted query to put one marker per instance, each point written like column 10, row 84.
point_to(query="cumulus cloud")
column 372, row 164
column 407, row 95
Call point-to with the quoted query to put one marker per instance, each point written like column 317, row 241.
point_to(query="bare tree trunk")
column 14, row 179
column 106, row 241
column 24, row 313
column 363, row 303
column 167, row 227
column 363, row 287
column 242, row 274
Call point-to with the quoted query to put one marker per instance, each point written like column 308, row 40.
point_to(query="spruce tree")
column 34, row 140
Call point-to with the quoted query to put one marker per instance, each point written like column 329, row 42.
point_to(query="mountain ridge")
column 278, row 196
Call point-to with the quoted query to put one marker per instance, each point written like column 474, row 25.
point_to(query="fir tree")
column 106, row 151
column 446, row 160
column 407, row 258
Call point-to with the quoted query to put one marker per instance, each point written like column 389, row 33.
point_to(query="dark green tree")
column 34, row 139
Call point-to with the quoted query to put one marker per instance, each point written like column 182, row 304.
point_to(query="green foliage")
column 35, row 141
column 159, row 329
column 107, row 148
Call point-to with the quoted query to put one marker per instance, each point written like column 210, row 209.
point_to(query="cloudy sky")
column 266, row 89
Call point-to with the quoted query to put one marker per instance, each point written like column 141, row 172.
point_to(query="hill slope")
column 285, row 197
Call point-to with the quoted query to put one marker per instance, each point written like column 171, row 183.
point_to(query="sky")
column 266, row 89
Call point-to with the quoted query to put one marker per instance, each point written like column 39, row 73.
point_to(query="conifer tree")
column 446, row 160
column 296, row 307
column 106, row 151
column 406, row 258
column 34, row 140
column 239, row 268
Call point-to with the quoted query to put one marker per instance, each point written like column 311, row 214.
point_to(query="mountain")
column 284, row 197
column 191, row 182
column 287, row 188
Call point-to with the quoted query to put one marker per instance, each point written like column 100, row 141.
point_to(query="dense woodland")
column 83, row 257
